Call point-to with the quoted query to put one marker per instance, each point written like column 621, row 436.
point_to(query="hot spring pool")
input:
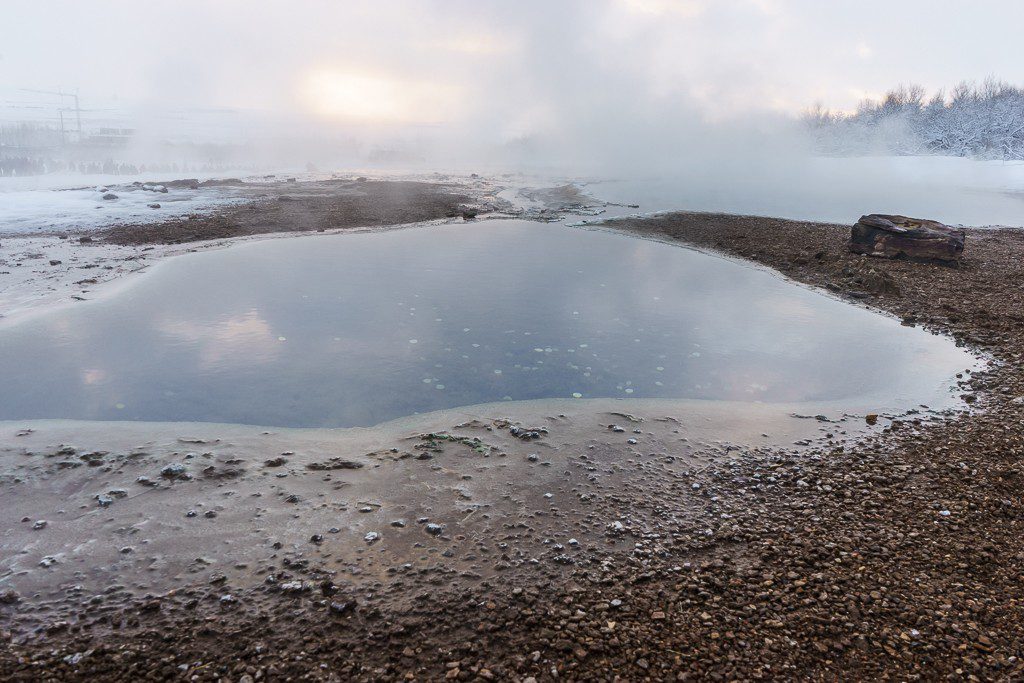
column 357, row 329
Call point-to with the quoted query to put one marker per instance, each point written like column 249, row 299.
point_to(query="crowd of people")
column 20, row 166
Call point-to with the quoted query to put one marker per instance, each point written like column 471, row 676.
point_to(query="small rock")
column 173, row 471
column 342, row 607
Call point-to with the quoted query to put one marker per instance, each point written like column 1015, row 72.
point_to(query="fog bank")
column 707, row 93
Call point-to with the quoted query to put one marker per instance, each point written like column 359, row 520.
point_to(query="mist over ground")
column 697, row 94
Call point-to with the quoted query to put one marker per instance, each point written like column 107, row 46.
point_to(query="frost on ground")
column 34, row 205
column 72, row 203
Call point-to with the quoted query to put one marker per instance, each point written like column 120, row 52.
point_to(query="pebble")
column 173, row 470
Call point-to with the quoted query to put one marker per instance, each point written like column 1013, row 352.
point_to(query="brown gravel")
column 300, row 207
column 900, row 557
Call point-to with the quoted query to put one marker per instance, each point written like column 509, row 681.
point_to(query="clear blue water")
column 347, row 330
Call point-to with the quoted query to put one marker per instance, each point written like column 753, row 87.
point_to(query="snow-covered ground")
column 65, row 202
column 72, row 202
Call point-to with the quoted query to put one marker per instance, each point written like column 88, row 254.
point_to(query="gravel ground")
column 895, row 557
column 304, row 207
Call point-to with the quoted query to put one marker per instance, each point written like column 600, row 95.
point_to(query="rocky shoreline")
column 897, row 556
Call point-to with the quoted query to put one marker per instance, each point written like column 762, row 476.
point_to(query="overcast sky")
column 507, row 68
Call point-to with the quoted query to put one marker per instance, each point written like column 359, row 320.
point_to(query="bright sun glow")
column 370, row 98
column 682, row 8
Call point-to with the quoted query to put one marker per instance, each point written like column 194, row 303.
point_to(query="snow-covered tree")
column 979, row 120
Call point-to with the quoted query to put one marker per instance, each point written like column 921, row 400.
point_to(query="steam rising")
column 700, row 90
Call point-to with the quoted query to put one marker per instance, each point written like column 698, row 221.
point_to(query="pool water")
column 357, row 329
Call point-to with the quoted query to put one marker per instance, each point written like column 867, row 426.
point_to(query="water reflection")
column 358, row 329
column 232, row 340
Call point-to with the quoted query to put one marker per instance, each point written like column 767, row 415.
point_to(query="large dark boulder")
column 900, row 237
